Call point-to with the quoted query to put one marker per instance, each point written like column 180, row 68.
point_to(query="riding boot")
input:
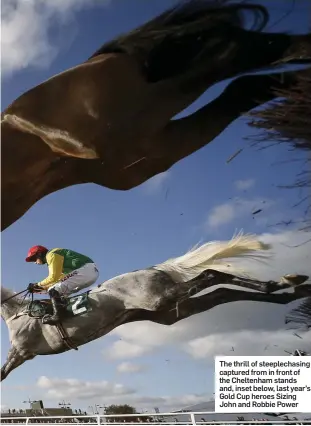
column 56, row 304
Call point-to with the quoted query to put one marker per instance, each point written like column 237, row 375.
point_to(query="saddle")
column 71, row 306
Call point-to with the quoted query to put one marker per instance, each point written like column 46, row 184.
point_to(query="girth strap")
column 64, row 337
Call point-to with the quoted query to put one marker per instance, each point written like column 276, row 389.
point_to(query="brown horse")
column 109, row 119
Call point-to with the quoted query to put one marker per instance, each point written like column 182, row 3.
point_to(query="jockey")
column 69, row 272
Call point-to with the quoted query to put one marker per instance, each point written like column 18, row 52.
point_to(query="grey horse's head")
column 10, row 302
column 5, row 294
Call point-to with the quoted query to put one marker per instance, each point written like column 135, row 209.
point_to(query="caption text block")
column 265, row 383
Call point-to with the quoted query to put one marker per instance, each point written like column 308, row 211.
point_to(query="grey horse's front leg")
column 14, row 360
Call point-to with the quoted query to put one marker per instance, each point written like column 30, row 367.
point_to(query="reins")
column 17, row 294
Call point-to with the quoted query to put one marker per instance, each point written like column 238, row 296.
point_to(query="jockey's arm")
column 55, row 262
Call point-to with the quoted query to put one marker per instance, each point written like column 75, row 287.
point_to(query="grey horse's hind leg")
column 220, row 296
column 212, row 278
column 287, row 281
column 14, row 360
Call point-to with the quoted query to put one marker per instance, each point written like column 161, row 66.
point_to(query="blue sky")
column 201, row 198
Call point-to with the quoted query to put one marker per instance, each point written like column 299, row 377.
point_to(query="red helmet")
column 34, row 251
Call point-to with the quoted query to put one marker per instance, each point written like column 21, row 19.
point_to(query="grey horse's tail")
column 192, row 34
column 214, row 255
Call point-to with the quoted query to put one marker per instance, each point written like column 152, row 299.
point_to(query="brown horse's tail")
column 301, row 315
column 289, row 121
column 184, row 35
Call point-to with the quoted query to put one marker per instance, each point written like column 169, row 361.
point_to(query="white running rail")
column 159, row 419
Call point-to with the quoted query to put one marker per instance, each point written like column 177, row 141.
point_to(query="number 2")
column 76, row 311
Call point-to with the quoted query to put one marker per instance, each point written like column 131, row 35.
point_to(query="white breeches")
column 77, row 280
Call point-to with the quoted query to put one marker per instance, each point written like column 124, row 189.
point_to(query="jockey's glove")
column 34, row 288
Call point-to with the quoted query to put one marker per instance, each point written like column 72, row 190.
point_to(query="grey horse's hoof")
column 2, row 374
column 293, row 279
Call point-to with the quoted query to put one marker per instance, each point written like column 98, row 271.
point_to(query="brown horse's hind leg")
column 186, row 135
column 14, row 360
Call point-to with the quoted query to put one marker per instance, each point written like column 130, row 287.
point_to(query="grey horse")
column 162, row 294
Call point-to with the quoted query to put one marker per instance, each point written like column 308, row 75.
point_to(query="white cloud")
column 220, row 215
column 73, row 389
column 123, row 349
column 247, row 343
column 128, row 367
column 156, row 183
column 234, row 324
column 225, row 213
column 288, row 259
column 242, row 185
column 79, row 389
column 26, row 31
column 143, row 337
